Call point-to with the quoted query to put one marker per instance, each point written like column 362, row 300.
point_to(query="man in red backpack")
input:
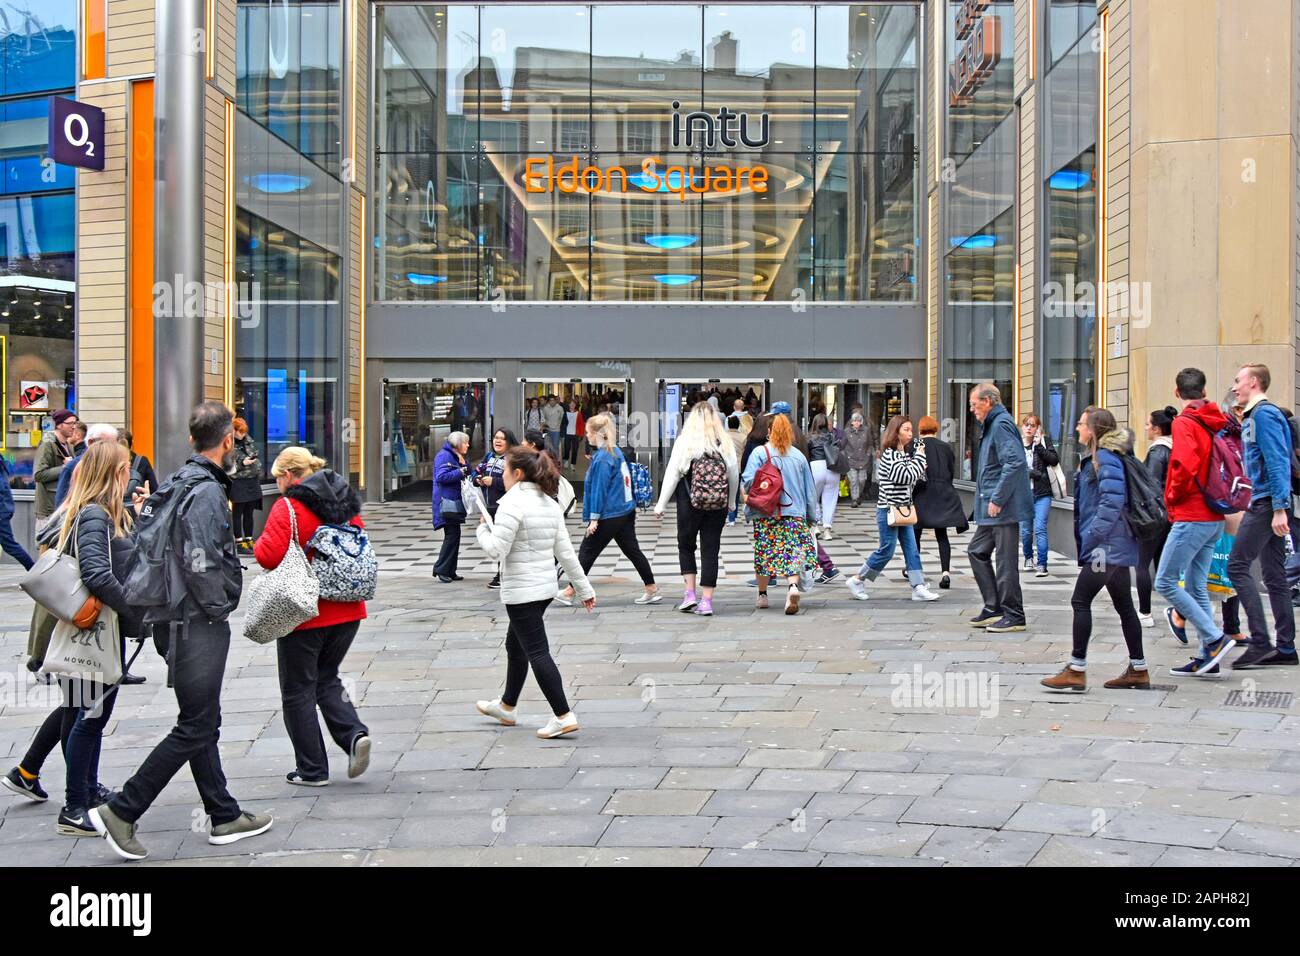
column 1195, row 529
column 1266, row 441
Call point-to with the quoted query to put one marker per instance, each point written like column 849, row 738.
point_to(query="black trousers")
column 1149, row 553
column 1086, row 587
column 1255, row 539
column 526, row 646
column 309, row 678
column 244, row 519
column 692, row 523
column 449, row 554
column 945, row 548
column 197, row 661
column 999, row 588
column 53, row 732
column 571, row 449
column 622, row 531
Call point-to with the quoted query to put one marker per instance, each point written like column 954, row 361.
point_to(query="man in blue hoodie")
column 1266, row 440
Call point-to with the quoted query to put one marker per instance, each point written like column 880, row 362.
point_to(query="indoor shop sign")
column 696, row 130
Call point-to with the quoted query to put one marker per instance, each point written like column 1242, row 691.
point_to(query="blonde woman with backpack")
column 703, row 475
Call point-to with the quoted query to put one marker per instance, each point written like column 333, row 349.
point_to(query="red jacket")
column 271, row 546
column 1189, row 461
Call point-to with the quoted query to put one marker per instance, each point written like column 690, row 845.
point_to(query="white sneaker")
column 827, row 534
column 648, row 598
column 559, row 726
column 1147, row 620
column 493, row 708
column 922, row 593
column 1029, row 564
column 856, row 587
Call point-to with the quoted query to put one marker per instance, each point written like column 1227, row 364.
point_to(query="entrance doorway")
column 592, row 398
column 418, row 417
column 837, row 398
column 677, row 396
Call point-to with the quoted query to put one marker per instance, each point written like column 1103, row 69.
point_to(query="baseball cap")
column 62, row 415
column 780, row 408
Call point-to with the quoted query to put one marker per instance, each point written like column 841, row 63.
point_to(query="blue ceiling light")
column 277, row 182
column 671, row 241
column 675, row 279
column 980, row 241
column 422, row 278
column 1071, row 179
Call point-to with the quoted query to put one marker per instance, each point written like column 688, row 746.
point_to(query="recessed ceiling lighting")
column 675, row 279
column 671, row 241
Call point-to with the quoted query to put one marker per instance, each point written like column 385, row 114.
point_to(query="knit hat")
column 62, row 415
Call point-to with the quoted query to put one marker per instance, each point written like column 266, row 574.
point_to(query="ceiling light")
column 675, row 279
column 671, row 241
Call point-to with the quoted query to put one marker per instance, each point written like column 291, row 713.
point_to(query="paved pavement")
column 882, row 733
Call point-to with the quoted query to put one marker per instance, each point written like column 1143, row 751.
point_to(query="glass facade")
column 289, row 200
column 674, row 152
column 1068, row 356
column 38, row 58
column 979, row 244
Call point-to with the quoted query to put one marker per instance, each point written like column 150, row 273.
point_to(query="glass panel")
column 644, row 58
column 866, row 77
column 980, row 77
column 757, row 60
column 534, row 78
column 426, row 227
column 24, row 131
column 534, row 244
column 866, row 240
column 426, row 84
column 38, row 47
column 1068, row 20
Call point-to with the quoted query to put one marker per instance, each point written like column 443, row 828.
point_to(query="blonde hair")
column 702, row 433
column 296, row 461
column 603, row 428
column 781, row 433
column 98, row 480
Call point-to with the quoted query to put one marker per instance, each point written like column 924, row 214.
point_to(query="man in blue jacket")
column 1003, row 499
column 1266, row 440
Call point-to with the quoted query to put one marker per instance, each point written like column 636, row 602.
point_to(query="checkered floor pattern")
column 404, row 539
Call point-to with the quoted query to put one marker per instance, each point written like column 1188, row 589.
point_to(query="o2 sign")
column 76, row 133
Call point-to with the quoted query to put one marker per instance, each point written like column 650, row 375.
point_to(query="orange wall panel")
column 140, row 177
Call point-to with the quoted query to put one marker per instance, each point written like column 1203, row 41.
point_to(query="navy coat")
column 1002, row 477
column 447, row 475
column 1100, row 501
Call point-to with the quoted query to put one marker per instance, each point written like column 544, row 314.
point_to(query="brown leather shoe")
column 1068, row 680
column 1130, row 679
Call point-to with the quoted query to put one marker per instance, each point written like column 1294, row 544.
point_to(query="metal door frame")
column 489, row 395
column 802, row 384
column 662, row 380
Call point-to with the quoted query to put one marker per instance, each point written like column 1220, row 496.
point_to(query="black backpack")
column 1145, row 513
column 1294, row 425
column 153, row 577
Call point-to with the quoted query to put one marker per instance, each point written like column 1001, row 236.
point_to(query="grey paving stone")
column 661, row 802
column 871, row 838
column 341, row 833
column 959, row 811
column 447, row 830
column 1270, row 841
column 801, row 780
column 756, row 803
column 762, row 858
column 657, row 831
column 1057, row 818
column 708, row 778
column 1094, row 851
column 1142, row 826
column 1191, row 856
column 896, row 784
column 763, row 833
column 568, row 830
column 965, row 846
column 990, row 787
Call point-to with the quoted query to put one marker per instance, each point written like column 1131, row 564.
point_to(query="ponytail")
column 538, row 468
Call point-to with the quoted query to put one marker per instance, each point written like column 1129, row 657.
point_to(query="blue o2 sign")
column 76, row 133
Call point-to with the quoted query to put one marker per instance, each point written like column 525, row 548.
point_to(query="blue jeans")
column 889, row 539
column 1036, row 532
column 85, row 739
column 1189, row 550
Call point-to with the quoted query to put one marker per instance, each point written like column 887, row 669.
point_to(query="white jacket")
column 679, row 467
column 526, row 537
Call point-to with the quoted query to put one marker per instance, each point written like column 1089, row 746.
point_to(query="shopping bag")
column 1218, row 585
column 93, row 653
column 844, row 487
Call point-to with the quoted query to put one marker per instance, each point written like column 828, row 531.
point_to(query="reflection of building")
column 912, row 242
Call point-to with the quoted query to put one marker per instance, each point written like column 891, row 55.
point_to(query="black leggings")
column 707, row 526
column 52, row 733
column 1086, row 587
column 526, row 645
column 945, row 548
column 244, row 518
column 1149, row 553
column 622, row 531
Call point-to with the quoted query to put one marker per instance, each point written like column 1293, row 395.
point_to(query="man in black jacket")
column 205, row 561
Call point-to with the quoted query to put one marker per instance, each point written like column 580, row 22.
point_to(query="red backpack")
column 765, row 492
column 1226, row 488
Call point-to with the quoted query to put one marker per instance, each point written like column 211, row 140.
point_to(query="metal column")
column 178, row 228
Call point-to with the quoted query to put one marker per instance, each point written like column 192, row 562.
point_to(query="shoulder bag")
column 54, row 582
column 284, row 597
column 901, row 516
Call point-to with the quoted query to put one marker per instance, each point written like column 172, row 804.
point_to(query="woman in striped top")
column 897, row 473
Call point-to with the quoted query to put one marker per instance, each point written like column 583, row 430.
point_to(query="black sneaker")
column 444, row 579
column 1217, row 650
column 15, row 782
column 827, row 576
column 495, row 583
column 985, row 617
column 945, row 582
column 133, row 679
column 1277, row 658
column 298, row 780
column 1005, row 626
column 1193, row 668
column 1252, row 656
column 75, row 821
column 101, row 795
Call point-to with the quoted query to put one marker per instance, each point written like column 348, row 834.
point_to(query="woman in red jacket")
column 310, row 657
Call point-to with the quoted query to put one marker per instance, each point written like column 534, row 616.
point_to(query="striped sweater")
column 897, row 472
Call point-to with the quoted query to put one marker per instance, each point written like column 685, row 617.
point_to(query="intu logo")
column 704, row 130
column 77, row 909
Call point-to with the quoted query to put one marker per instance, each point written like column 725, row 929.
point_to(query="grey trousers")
column 1000, row 589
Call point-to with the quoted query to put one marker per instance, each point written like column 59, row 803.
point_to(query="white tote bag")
column 285, row 596
column 93, row 654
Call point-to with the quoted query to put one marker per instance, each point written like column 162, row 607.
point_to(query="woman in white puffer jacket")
column 526, row 537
